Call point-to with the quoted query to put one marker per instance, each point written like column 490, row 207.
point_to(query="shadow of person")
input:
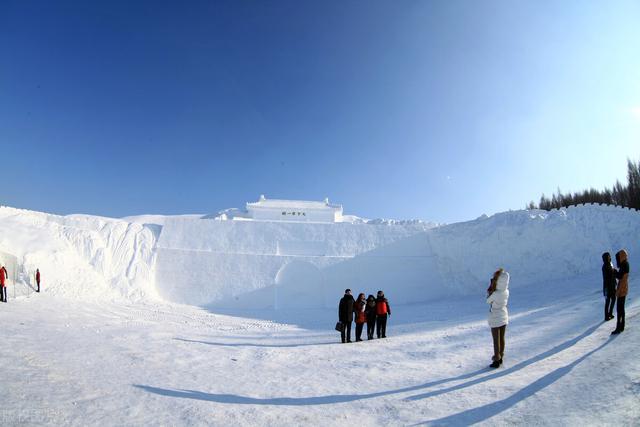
column 342, row 398
column 249, row 344
column 557, row 349
column 297, row 401
column 482, row 413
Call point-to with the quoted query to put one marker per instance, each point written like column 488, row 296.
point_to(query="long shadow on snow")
column 498, row 374
column 342, row 398
column 294, row 401
column 222, row 344
column 482, row 413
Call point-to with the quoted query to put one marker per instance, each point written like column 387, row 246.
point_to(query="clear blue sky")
column 439, row 110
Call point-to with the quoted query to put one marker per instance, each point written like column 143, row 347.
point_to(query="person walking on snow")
column 3, row 286
column 371, row 316
column 38, row 279
column 382, row 310
column 345, row 315
column 608, row 285
column 623, row 289
column 361, row 316
column 497, row 298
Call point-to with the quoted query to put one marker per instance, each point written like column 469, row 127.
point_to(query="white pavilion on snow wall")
column 294, row 210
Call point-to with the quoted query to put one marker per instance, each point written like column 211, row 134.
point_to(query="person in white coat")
column 497, row 298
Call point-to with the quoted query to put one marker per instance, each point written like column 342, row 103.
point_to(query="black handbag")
column 339, row 326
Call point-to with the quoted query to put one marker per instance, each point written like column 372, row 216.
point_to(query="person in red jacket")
column 3, row 284
column 383, row 310
column 38, row 279
column 361, row 316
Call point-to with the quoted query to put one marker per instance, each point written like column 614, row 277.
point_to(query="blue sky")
column 439, row 110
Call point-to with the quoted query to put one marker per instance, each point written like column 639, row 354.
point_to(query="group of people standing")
column 4, row 275
column 371, row 310
column 375, row 311
column 615, row 286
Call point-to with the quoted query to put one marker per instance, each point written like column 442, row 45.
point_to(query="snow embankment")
column 258, row 264
column 263, row 264
column 535, row 246
column 80, row 255
column 251, row 264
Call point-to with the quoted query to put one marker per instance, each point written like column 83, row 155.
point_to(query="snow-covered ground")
column 100, row 346
column 67, row 362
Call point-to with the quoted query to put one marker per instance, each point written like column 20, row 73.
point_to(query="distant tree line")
column 620, row 195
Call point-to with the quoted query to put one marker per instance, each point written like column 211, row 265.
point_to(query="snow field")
column 167, row 364
column 100, row 346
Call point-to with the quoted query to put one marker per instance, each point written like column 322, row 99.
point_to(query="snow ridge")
column 81, row 255
column 202, row 260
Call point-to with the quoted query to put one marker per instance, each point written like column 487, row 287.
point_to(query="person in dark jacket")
column 622, row 274
column 361, row 316
column 345, row 315
column 608, row 285
column 370, row 311
column 383, row 310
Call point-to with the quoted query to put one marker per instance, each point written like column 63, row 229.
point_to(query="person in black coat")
column 383, row 310
column 345, row 315
column 370, row 311
column 608, row 286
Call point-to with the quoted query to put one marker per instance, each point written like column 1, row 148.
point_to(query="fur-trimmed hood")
column 503, row 281
column 623, row 255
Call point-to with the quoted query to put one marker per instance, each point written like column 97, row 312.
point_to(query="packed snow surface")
column 193, row 320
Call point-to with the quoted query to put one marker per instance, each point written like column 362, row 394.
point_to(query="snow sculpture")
column 294, row 210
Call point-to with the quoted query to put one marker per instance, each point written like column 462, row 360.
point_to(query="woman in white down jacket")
column 497, row 297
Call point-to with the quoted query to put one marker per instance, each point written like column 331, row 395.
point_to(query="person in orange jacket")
column 3, row 285
column 38, row 279
column 383, row 310
column 622, row 274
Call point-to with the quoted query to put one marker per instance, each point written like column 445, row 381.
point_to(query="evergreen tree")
column 633, row 186
column 627, row 196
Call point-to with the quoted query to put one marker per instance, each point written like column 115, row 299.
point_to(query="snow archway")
column 299, row 284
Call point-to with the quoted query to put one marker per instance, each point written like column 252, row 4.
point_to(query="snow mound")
column 206, row 261
column 81, row 255
column 238, row 262
column 535, row 246
column 241, row 264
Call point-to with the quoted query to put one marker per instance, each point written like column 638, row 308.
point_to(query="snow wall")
column 80, row 255
column 263, row 264
column 250, row 264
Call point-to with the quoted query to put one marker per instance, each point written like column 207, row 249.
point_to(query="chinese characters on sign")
column 294, row 213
